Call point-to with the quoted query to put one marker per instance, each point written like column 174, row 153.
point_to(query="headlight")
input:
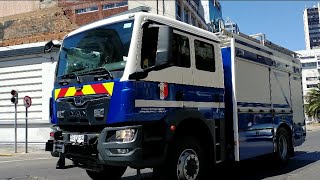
column 125, row 135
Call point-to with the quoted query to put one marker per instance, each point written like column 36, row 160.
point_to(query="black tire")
column 54, row 154
column 186, row 158
column 283, row 146
column 108, row 173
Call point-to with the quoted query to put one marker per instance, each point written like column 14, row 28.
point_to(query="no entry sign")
column 27, row 101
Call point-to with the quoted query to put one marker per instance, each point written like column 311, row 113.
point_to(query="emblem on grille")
column 78, row 101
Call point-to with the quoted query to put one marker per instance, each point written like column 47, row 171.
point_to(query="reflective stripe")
column 109, row 87
column 104, row 88
column 161, row 103
column 56, row 93
column 87, row 89
column 71, row 92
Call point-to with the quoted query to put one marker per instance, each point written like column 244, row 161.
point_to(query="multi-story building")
column 312, row 27
column 188, row 11
column 310, row 63
column 87, row 11
column 231, row 26
column 213, row 15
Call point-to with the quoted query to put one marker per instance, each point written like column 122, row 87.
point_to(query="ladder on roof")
column 225, row 37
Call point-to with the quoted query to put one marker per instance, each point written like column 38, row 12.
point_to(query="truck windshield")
column 102, row 47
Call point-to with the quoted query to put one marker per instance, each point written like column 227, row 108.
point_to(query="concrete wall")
column 31, row 74
column 8, row 8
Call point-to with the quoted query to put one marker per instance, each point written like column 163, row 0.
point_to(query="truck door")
column 299, row 132
column 255, row 121
column 281, row 97
column 178, row 76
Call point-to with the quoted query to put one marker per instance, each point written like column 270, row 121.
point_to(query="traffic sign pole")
column 15, row 128
column 27, row 103
column 26, row 146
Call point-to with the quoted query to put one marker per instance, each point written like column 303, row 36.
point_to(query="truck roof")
column 166, row 20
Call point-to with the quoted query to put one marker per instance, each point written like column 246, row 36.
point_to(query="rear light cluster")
column 52, row 134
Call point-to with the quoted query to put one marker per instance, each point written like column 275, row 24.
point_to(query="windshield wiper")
column 98, row 71
column 63, row 78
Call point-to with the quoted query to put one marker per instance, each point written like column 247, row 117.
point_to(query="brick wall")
column 88, row 17
column 51, row 23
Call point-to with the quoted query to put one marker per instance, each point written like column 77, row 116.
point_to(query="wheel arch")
column 192, row 123
column 290, row 132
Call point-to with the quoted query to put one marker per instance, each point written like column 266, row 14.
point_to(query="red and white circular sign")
column 27, row 101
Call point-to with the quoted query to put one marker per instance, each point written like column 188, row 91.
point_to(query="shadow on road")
column 257, row 168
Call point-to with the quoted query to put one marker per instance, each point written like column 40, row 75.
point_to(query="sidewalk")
column 8, row 149
column 313, row 127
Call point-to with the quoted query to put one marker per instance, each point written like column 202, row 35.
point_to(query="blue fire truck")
column 145, row 91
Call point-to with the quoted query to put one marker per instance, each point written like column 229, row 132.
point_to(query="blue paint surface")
column 122, row 103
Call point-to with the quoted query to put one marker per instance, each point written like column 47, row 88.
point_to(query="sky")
column 280, row 21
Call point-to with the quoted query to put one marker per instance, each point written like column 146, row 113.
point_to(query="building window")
column 307, row 57
column 312, row 85
column 309, row 65
column 86, row 10
column 204, row 53
column 186, row 16
column 178, row 11
column 311, row 78
column 193, row 21
column 115, row 5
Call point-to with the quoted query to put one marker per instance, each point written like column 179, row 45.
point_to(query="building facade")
column 310, row 63
column 190, row 11
column 27, row 70
column 213, row 15
column 311, row 22
column 231, row 26
column 87, row 11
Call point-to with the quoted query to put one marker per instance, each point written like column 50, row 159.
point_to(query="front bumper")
column 141, row 152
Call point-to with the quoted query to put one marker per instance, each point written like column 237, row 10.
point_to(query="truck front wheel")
column 186, row 159
column 109, row 172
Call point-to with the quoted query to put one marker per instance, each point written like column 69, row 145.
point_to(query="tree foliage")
column 312, row 108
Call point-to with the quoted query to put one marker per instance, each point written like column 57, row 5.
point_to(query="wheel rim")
column 283, row 147
column 188, row 165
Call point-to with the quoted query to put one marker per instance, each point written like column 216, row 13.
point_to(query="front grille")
column 73, row 111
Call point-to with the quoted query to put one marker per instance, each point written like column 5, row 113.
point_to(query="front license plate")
column 77, row 138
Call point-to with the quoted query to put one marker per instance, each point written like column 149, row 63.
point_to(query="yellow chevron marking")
column 71, row 91
column 109, row 87
column 87, row 89
column 56, row 93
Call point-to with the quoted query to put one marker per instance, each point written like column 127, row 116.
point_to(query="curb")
column 6, row 154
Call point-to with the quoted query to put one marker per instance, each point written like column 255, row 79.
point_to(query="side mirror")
column 164, row 49
column 50, row 45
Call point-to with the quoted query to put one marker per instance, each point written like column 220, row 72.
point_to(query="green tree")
column 312, row 108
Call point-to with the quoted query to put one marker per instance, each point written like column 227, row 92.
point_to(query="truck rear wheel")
column 108, row 173
column 186, row 160
column 284, row 146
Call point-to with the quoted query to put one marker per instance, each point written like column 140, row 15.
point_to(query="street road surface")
column 41, row 166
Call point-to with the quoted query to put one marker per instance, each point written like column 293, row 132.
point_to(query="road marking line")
column 25, row 160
